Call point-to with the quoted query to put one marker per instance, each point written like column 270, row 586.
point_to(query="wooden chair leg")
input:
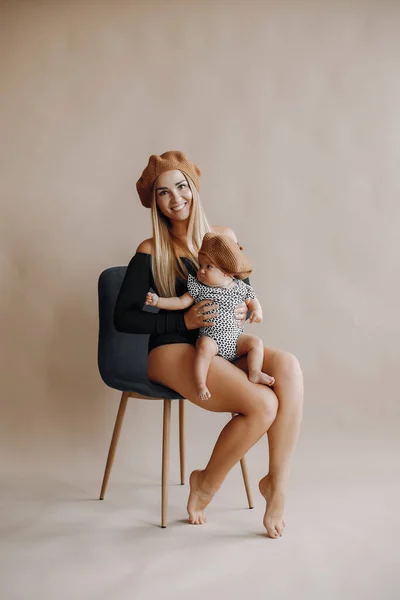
column 165, row 462
column 182, row 439
column 114, row 442
column 243, row 465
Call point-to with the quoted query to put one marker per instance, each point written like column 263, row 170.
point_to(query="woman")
column 169, row 186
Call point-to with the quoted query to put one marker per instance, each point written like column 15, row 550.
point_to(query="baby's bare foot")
column 198, row 499
column 273, row 493
column 203, row 392
column 261, row 377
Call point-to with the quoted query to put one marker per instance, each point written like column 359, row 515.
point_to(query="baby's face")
column 209, row 274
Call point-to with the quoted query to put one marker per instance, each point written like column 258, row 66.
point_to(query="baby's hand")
column 256, row 316
column 151, row 299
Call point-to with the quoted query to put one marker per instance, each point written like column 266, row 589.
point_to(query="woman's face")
column 173, row 195
column 209, row 274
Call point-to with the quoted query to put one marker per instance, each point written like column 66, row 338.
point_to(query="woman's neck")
column 179, row 231
column 179, row 237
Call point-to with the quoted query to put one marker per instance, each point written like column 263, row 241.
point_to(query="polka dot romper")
column 226, row 329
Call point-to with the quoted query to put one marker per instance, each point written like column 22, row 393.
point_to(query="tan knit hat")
column 226, row 254
column 168, row 161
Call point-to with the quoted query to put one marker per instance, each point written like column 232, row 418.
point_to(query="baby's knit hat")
column 226, row 254
column 168, row 161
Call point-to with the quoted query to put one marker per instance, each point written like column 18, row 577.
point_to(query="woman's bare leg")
column 283, row 433
column 253, row 347
column 231, row 391
column 206, row 349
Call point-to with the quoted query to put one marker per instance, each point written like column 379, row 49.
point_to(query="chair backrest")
column 122, row 357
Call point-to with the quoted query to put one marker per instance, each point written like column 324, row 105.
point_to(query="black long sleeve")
column 128, row 314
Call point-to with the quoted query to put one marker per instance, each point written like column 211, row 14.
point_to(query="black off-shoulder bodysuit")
column 164, row 327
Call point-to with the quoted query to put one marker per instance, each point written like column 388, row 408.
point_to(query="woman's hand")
column 241, row 313
column 198, row 315
column 151, row 299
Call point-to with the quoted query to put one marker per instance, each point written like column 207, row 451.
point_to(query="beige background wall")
column 291, row 111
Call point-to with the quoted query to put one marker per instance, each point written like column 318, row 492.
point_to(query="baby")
column 219, row 279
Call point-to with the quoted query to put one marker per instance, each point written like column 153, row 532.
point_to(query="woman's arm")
column 128, row 314
column 224, row 231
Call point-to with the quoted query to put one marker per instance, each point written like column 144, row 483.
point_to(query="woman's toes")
column 198, row 520
column 273, row 533
column 276, row 530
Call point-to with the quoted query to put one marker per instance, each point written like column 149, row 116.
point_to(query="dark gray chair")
column 122, row 362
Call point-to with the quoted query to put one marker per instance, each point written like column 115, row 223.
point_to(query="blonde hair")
column 166, row 265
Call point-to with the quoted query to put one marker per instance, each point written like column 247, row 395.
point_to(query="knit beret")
column 168, row 161
column 226, row 254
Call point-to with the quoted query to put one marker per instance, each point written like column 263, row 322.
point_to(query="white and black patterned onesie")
column 226, row 329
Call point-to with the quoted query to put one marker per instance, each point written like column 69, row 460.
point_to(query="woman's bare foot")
column 274, row 495
column 261, row 377
column 203, row 392
column 199, row 499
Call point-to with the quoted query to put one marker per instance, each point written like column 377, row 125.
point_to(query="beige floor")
column 342, row 539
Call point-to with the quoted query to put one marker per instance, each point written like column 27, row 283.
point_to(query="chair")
column 119, row 371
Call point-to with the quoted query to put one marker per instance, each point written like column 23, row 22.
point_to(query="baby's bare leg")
column 206, row 349
column 253, row 347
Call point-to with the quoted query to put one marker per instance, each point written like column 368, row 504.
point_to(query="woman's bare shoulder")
column 224, row 231
column 146, row 246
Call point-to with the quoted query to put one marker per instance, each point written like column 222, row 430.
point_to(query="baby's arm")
column 169, row 303
column 254, row 306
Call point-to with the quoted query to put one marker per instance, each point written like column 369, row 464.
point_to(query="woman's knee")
column 289, row 384
column 288, row 365
column 263, row 404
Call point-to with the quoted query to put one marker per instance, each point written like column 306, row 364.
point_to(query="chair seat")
column 122, row 357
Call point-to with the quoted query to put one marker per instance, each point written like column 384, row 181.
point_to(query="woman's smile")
column 178, row 207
